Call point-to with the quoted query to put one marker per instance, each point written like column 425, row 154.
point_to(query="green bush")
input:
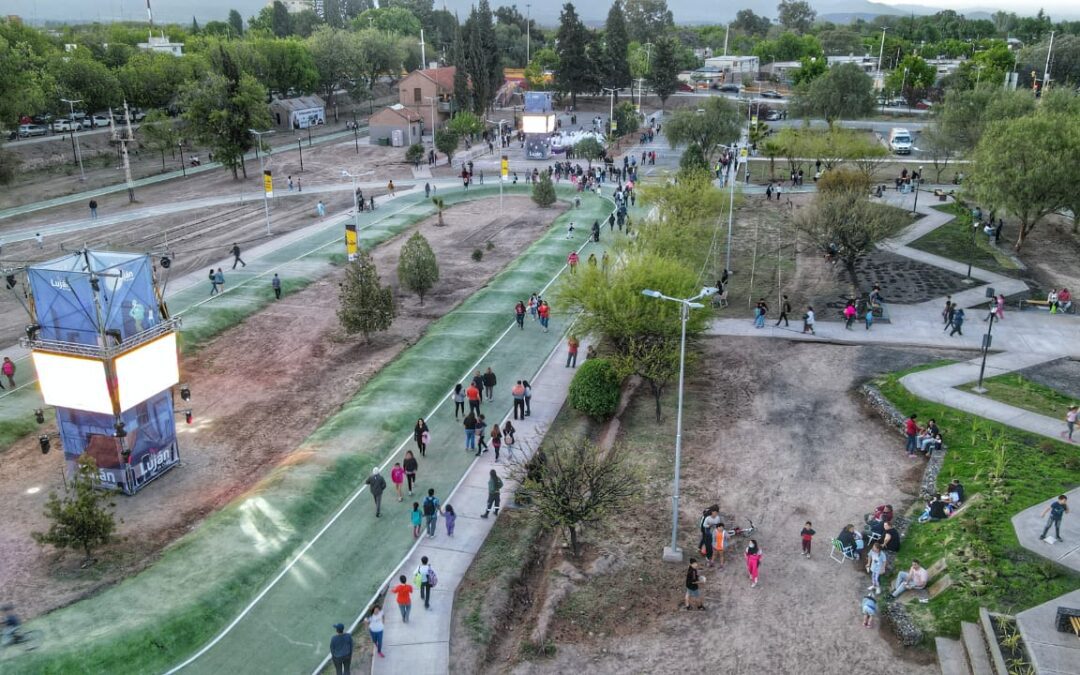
column 477, row 255
column 543, row 191
column 414, row 154
column 595, row 389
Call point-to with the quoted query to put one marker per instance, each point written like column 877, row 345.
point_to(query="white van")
column 900, row 141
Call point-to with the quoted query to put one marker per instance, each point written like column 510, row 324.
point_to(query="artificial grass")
column 1017, row 390
column 1013, row 470
column 953, row 240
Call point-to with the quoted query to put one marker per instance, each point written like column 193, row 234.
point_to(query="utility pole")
column 1046, row 69
column 423, row 51
column 528, row 33
column 881, row 52
column 123, row 141
column 76, row 148
column 267, row 184
column 727, row 32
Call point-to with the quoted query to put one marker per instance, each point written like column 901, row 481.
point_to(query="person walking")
column 947, row 312
column 545, row 314
column 518, row 392
column 403, row 592
column 450, row 518
column 375, row 628
column 459, row 401
column 473, row 394
column 508, row 434
column 397, row 477
column 275, row 284
column 692, row 599
column 1057, row 511
column 572, row 345
column 421, row 436
column 213, row 283
column 341, row 649
column 808, row 321
column 534, row 302
column 481, row 441
column 494, row 488
column 427, row 190
column 40, row 241
column 470, row 431
column 572, row 261
column 869, row 317
column 849, row 314
column 999, row 309
column 424, row 575
column 390, row 188
column 753, row 561
column 528, row 397
column 410, row 465
column 519, row 314
column 807, row 536
column 219, row 279
column 1070, row 421
column 785, row 307
column 489, row 384
column 93, row 209
column 8, row 370
column 235, row 250
column 320, row 209
column 377, row 484
column 496, row 439
column 957, row 323
column 417, row 519
column 431, row 511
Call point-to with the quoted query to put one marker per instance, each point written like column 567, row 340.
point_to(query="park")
column 534, row 343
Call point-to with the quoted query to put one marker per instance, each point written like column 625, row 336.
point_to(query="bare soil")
column 298, row 368
column 1051, row 252
column 774, row 432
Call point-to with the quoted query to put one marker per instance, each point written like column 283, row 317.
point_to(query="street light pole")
column 356, row 133
column 528, row 33
column 611, row 110
column 356, row 203
column 300, row 147
column 74, row 137
column 673, row 553
column 183, row 169
column 262, row 174
column 918, row 182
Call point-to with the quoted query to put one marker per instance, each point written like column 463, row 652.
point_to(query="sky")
column 685, row 10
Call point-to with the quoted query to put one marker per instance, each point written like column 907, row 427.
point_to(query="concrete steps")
column 975, row 645
column 951, row 657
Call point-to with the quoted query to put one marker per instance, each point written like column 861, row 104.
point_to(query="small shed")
column 395, row 125
column 297, row 113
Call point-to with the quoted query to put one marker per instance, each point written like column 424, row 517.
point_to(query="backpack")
column 429, row 506
column 432, row 578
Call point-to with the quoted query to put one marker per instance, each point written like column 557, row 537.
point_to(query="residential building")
column 733, row 65
column 780, row 71
column 395, row 125
column 430, row 94
column 297, row 113
column 867, row 63
column 162, row 44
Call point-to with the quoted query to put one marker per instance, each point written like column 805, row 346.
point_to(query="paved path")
column 1020, row 341
column 1051, row 652
column 1030, row 522
column 422, row 646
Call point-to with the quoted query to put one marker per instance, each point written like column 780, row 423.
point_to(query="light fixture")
column 166, row 262
column 121, row 432
column 185, row 392
column 39, row 415
column 651, row 293
column 43, row 441
column 188, row 417
column 10, row 280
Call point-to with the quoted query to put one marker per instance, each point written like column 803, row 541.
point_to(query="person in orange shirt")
column 572, row 261
column 571, row 351
column 473, row 394
column 719, row 537
column 403, row 591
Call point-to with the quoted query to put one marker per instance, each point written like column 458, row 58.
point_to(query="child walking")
column 719, row 538
column 807, row 535
column 397, row 477
column 450, row 517
column 753, row 561
column 869, row 609
column 416, row 520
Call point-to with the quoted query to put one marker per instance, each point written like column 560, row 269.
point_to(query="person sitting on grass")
column 956, row 493
column 935, row 510
column 914, row 579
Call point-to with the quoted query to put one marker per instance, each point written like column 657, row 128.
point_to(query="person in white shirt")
column 912, row 580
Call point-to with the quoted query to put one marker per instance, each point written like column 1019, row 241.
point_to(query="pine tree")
column 482, row 57
column 573, row 74
column 366, row 307
column 543, row 191
column 83, row 517
column 664, row 76
column 462, row 95
column 617, row 44
column 417, row 268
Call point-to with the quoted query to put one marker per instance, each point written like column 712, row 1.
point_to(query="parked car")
column 100, row 120
column 924, row 105
column 773, row 115
column 685, row 87
column 28, row 130
column 771, row 93
column 66, row 125
column 44, row 118
column 900, row 141
column 730, row 87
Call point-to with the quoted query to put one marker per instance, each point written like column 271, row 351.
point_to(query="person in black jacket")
column 489, row 382
column 377, row 484
column 420, row 435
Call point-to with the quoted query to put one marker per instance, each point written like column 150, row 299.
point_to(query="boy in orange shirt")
column 719, row 537
column 403, row 591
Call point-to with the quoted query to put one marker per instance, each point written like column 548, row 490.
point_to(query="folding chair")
column 846, row 553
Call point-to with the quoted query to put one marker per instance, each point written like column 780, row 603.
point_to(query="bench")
column 1039, row 304
column 924, row 595
column 1068, row 620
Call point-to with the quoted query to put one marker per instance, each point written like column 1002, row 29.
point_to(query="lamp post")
column 356, row 204
column 611, row 111
column 673, row 553
column 918, row 182
column 986, row 342
column 266, row 199
column 355, row 132
column 74, row 137
column 300, row 147
column 528, row 32
column 183, row 169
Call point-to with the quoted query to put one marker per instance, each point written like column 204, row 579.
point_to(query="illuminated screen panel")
column 537, row 124
column 72, row 382
column 147, row 370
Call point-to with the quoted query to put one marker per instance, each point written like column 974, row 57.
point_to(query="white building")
column 297, row 6
column 162, row 44
column 737, row 65
column 867, row 63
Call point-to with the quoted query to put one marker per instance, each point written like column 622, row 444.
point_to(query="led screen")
column 72, row 382
column 147, row 370
column 537, row 124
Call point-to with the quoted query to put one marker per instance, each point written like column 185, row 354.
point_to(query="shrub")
column 543, row 191
column 842, row 180
column 595, row 389
column 477, row 255
column 414, row 154
column 490, row 245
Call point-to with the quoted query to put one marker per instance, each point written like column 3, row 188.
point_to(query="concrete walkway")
column 1030, row 522
column 422, row 646
column 1020, row 341
column 1051, row 652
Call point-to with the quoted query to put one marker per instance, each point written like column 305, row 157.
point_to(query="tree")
column 1018, row 168
column 647, row 20
column 596, row 389
column 590, row 149
column 664, row 74
column 220, row 109
column 796, row 15
column 417, row 268
column 751, row 24
column 446, row 142
column 617, row 41
column 692, row 160
column 236, row 23
column 716, row 125
column 940, row 146
column 440, row 206
column 912, row 78
column 543, row 192
column 963, row 115
column 337, row 58
column 286, row 67
column 378, row 54
column 482, row 57
column 366, row 306
column 845, row 91
column 579, row 484
column 812, row 68
column 78, row 76
column 388, row 20
column 653, row 358
column 160, row 134
column 462, row 92
column 152, row 79
column 414, row 154
column 849, row 223
column 83, row 518
column 627, row 119
column 305, row 23
column 9, row 166
column 28, row 87
column 279, row 20
column 574, row 72
column 466, row 124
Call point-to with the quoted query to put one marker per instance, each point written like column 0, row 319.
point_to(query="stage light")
column 43, row 441
column 39, row 415
column 95, row 284
column 32, row 331
column 188, row 417
column 121, row 432
column 10, row 279
column 185, row 392
column 114, row 333
column 166, row 262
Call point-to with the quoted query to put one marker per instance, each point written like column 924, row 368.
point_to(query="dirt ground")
column 1051, row 252
column 774, row 432
column 241, row 433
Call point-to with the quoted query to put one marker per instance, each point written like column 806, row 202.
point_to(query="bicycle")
column 29, row 640
column 742, row 532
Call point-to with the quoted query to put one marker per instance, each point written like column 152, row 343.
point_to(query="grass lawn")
column 954, row 241
column 1013, row 470
column 1017, row 390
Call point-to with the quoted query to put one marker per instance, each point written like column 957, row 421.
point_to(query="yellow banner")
column 350, row 241
column 505, row 166
column 268, row 183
